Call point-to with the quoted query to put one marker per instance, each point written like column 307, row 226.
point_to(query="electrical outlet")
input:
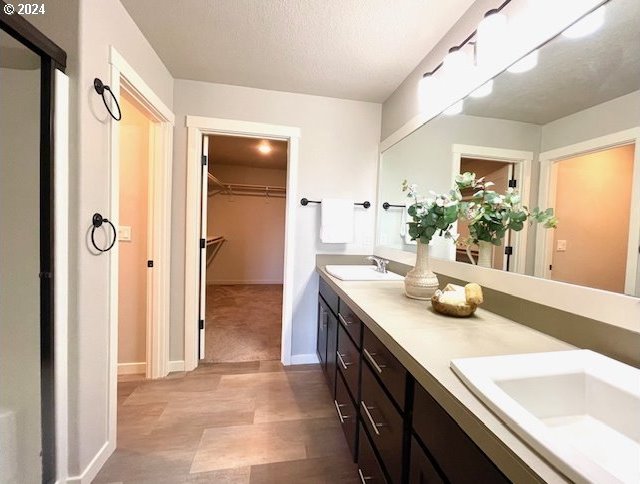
column 561, row 245
column 124, row 233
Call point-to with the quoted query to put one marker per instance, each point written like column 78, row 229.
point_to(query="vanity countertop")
column 425, row 342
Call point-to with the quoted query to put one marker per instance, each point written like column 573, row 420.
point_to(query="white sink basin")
column 361, row 273
column 578, row 409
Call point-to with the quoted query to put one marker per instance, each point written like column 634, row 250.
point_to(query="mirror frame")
column 617, row 309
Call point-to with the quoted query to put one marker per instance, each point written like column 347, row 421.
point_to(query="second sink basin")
column 579, row 409
column 361, row 273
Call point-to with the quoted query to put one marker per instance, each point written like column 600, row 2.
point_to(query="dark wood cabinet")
column 394, row 427
column 456, row 454
column 422, row 470
column 321, row 342
column 348, row 414
column 369, row 468
column 384, row 423
column 386, row 366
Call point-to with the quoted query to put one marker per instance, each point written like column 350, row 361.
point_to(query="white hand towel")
column 336, row 226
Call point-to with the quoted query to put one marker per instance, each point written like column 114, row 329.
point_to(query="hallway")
column 244, row 322
column 252, row 422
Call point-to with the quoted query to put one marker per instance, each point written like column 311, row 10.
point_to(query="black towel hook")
column 97, row 221
column 100, row 88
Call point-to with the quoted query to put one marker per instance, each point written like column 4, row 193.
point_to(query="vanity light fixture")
column 586, row 25
column 454, row 108
column 483, row 90
column 525, row 64
column 264, row 148
column 491, row 35
column 457, row 60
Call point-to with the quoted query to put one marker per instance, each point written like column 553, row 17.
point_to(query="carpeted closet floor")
column 243, row 323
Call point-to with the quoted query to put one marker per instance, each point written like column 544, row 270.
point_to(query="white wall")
column 609, row 117
column 86, row 30
column 19, row 268
column 338, row 158
column 253, row 228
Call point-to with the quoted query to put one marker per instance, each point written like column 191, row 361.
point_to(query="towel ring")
column 100, row 88
column 97, row 221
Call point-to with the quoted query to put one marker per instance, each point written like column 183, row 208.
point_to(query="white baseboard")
column 176, row 365
column 304, row 359
column 91, row 471
column 132, row 368
column 236, row 282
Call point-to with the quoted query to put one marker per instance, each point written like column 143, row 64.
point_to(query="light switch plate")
column 124, row 233
column 561, row 245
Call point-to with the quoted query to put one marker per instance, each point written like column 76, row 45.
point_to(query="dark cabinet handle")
column 341, row 360
column 374, row 424
column 375, row 364
column 340, row 416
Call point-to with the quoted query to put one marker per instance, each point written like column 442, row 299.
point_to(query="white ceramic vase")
column 485, row 254
column 420, row 282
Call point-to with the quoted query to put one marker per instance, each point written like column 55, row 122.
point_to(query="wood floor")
column 243, row 323
column 253, row 422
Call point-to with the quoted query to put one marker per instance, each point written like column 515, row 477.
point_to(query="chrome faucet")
column 381, row 264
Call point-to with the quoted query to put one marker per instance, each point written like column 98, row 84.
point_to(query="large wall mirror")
column 562, row 126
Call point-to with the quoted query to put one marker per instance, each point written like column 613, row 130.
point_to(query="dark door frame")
column 52, row 58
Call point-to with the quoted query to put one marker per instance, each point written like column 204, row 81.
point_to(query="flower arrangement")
column 490, row 214
column 432, row 215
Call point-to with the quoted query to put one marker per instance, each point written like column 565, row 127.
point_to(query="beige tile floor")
column 251, row 422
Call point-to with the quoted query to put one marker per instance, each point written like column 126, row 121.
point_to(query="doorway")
column 135, row 248
column 592, row 195
column 198, row 130
column 244, row 222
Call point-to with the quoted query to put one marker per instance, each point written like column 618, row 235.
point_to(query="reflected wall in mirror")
column 565, row 134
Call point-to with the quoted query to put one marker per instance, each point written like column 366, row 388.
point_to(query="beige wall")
column 593, row 200
column 253, row 227
column 338, row 158
column 86, row 30
column 20, row 265
column 132, row 289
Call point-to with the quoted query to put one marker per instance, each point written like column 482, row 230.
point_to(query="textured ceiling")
column 572, row 74
column 351, row 49
column 236, row 150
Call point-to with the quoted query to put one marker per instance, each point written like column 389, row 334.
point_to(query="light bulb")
column 454, row 109
column 427, row 91
column 586, row 25
column 483, row 90
column 525, row 64
column 492, row 31
column 264, row 148
column 457, row 61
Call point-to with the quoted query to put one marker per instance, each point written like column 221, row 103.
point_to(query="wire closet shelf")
column 218, row 187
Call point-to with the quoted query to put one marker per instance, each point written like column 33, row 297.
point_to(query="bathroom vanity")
column 405, row 414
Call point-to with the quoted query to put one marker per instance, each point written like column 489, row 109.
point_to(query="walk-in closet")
column 245, row 220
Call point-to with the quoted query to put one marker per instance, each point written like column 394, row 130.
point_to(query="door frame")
column 125, row 78
column 546, row 197
column 521, row 161
column 197, row 127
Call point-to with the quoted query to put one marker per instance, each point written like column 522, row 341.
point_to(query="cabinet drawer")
column 392, row 374
column 369, row 468
column 421, row 468
column 456, row 454
column 351, row 323
column 330, row 297
column 349, row 362
column 347, row 414
column 384, row 423
column 321, row 343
